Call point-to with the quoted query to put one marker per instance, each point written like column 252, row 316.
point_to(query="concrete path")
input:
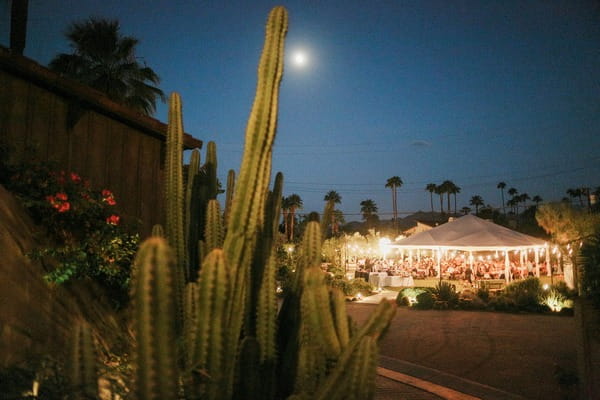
column 480, row 354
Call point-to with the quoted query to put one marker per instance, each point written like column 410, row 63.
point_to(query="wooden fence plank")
column 97, row 149
column 129, row 174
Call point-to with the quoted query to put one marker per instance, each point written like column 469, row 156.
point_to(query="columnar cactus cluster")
column 223, row 336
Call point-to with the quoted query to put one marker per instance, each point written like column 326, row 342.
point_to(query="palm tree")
column 523, row 197
column 537, row 200
column 368, row 209
column 476, row 201
column 294, row 202
column 512, row 192
column 448, row 187
column 440, row 191
column 431, row 187
column 454, row 190
column 576, row 193
column 501, row 186
column 332, row 197
column 105, row 60
column 394, row 183
column 465, row 210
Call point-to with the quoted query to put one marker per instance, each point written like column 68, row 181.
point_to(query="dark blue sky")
column 476, row 92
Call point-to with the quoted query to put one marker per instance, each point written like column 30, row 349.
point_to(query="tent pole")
column 506, row 267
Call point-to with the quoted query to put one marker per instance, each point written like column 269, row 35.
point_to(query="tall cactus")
column 247, row 211
column 237, row 344
column 174, row 181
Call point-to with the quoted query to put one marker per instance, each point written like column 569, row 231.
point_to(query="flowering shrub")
column 88, row 239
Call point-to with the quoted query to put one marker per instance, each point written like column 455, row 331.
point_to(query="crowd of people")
column 458, row 267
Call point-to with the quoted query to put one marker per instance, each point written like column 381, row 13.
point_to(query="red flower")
column 66, row 206
column 62, row 196
column 113, row 220
column 75, row 178
column 108, row 197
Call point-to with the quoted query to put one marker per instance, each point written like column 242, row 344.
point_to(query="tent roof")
column 470, row 233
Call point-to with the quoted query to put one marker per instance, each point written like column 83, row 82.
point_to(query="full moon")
column 299, row 58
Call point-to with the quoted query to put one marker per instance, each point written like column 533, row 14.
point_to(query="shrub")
column 86, row 235
column 483, row 294
column 349, row 288
column 446, row 292
column 502, row 303
column 556, row 300
column 402, row 301
column 425, row 301
column 526, row 294
column 411, row 293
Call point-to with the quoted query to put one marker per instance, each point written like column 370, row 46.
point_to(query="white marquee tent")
column 473, row 234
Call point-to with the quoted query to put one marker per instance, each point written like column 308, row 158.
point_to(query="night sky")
column 476, row 92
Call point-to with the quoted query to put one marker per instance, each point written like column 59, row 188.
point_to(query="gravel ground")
column 517, row 353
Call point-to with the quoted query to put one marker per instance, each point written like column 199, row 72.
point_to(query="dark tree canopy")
column 105, row 60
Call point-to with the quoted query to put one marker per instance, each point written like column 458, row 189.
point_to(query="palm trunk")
column 431, row 200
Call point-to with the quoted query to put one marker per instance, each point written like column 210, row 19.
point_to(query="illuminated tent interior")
column 472, row 234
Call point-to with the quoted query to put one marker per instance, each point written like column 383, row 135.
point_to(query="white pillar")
column 506, row 267
column 537, row 262
column 439, row 264
column 548, row 263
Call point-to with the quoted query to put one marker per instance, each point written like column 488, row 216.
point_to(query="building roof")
column 40, row 75
column 470, row 233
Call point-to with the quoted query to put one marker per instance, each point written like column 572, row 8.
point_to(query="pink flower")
column 113, row 220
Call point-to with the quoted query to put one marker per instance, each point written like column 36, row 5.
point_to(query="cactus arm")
column 158, row 230
column 213, row 230
column 192, row 215
column 174, row 180
column 83, row 374
column 338, row 307
column 154, row 321
column 211, row 333
column 229, row 195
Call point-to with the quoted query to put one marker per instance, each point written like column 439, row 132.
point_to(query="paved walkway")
column 467, row 355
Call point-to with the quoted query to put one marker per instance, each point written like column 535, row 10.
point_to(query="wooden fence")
column 85, row 132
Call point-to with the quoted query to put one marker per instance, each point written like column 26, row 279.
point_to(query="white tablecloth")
column 381, row 279
column 378, row 278
column 399, row 281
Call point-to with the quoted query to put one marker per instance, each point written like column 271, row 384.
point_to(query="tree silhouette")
column 394, row 183
column 105, row 60
column 332, row 197
column 501, row 186
column 476, row 201
column 431, row 188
